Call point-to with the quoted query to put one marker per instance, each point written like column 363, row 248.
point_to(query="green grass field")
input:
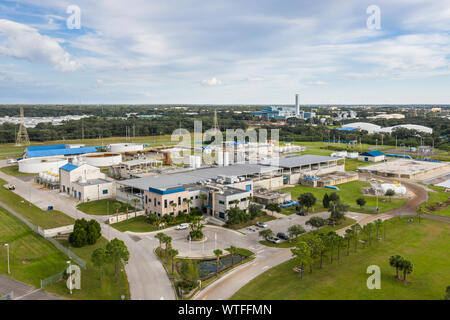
column 103, row 207
column 138, row 224
column 426, row 245
column 435, row 197
column 31, row 256
column 44, row 219
column 348, row 193
column 14, row 171
column 90, row 278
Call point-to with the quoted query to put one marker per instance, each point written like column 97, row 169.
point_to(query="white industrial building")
column 416, row 127
column 85, row 182
column 369, row 127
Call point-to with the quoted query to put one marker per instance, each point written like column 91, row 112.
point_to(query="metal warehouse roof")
column 48, row 147
column 60, row 152
column 375, row 153
column 307, row 159
column 179, row 179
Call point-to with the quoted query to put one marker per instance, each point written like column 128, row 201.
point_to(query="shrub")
column 316, row 222
column 85, row 233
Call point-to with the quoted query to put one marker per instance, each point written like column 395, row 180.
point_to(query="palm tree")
column 167, row 240
column 339, row 244
column 356, row 228
column 232, row 250
column 395, row 262
column 135, row 202
column 369, row 229
column 349, row 234
column 217, row 253
column 407, row 267
column 160, row 236
column 188, row 202
column 378, row 224
column 117, row 206
column 172, row 254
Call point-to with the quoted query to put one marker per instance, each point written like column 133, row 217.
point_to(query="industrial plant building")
column 223, row 186
column 85, row 182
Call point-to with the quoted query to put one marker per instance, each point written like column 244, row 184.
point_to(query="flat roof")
column 307, row 159
column 167, row 181
column 92, row 182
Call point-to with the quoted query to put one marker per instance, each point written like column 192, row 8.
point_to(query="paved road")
column 22, row 291
column 147, row 278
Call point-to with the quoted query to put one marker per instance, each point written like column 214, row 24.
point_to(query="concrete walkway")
column 22, row 291
column 147, row 278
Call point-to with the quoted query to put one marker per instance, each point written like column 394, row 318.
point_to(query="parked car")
column 11, row 161
column 283, row 236
column 301, row 213
column 261, row 224
column 274, row 240
column 12, row 187
column 182, row 226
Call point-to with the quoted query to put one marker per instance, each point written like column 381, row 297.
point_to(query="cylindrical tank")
column 219, row 154
column 226, row 158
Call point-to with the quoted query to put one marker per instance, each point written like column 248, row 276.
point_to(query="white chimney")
column 297, row 104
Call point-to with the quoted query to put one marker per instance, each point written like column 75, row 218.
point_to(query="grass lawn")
column 14, row 171
column 44, row 219
column 264, row 218
column 348, row 193
column 103, row 207
column 325, row 229
column 426, row 245
column 31, row 256
column 289, row 210
column 90, row 278
column 435, row 197
column 138, row 224
column 354, row 164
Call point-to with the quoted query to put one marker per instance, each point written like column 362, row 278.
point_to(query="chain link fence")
column 52, row 279
column 69, row 253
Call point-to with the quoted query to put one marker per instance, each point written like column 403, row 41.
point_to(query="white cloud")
column 24, row 42
column 316, row 83
column 212, row 82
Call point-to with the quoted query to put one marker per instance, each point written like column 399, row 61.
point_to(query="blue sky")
column 225, row 52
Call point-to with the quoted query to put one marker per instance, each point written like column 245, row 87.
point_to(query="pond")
column 208, row 267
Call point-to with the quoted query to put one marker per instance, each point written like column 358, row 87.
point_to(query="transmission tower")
column 22, row 136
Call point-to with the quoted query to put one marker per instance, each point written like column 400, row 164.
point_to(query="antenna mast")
column 22, row 135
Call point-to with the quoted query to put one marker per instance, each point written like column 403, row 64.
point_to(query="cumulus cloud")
column 212, row 82
column 24, row 42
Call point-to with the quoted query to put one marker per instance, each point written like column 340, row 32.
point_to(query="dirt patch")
column 25, row 261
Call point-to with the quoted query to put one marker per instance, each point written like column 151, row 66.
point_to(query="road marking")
column 27, row 294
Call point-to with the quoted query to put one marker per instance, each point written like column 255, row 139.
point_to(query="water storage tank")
column 191, row 162
column 125, row 147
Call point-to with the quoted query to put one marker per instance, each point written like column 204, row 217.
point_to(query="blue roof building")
column 281, row 113
column 60, row 152
column 68, row 167
column 48, row 147
column 374, row 153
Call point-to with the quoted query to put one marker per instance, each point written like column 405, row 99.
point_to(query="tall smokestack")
column 297, row 105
